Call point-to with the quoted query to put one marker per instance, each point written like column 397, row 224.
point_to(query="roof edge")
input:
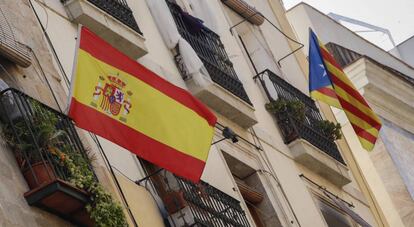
column 369, row 42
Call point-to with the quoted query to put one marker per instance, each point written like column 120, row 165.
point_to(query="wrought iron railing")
column 190, row 204
column 210, row 49
column 40, row 138
column 119, row 9
column 292, row 128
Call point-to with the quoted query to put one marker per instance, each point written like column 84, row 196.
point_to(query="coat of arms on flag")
column 120, row 100
column 111, row 96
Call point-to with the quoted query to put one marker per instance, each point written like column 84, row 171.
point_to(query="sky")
column 394, row 15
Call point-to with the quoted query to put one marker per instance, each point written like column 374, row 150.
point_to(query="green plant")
column 30, row 133
column 294, row 107
column 330, row 130
column 102, row 209
column 52, row 141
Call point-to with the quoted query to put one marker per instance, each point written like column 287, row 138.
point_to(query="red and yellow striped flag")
column 124, row 102
column 365, row 122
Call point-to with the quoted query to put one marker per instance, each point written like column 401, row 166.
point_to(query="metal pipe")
column 148, row 176
column 49, row 41
column 218, row 141
column 325, row 190
column 245, row 19
column 245, row 140
column 248, row 55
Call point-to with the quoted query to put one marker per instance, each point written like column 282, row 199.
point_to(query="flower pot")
column 62, row 198
column 42, row 171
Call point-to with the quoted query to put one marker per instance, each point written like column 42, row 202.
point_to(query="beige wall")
column 141, row 203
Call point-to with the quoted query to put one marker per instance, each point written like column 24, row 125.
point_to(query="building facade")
column 267, row 167
column 386, row 82
column 403, row 52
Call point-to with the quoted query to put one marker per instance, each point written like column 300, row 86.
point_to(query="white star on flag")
column 324, row 71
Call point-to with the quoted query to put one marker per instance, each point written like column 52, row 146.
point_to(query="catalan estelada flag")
column 118, row 99
column 328, row 83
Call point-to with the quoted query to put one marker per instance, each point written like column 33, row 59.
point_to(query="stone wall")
column 393, row 159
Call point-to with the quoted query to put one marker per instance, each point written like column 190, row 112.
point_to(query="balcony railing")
column 189, row 204
column 41, row 140
column 118, row 9
column 292, row 129
column 210, row 49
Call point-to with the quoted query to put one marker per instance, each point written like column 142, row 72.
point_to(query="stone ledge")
column 225, row 103
column 317, row 161
column 108, row 28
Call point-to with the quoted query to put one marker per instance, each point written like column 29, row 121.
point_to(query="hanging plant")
column 330, row 130
column 295, row 108
column 102, row 208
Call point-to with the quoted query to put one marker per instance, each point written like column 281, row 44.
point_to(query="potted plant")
column 295, row 108
column 330, row 130
column 287, row 111
column 33, row 145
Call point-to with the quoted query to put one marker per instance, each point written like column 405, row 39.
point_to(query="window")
column 333, row 216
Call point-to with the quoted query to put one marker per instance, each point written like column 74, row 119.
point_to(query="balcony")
column 227, row 95
column 307, row 143
column 112, row 20
column 189, row 204
column 43, row 141
column 118, row 9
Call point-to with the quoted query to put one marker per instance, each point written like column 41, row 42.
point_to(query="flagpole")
column 75, row 62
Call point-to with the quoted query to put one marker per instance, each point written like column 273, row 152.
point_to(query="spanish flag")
column 118, row 99
column 328, row 83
